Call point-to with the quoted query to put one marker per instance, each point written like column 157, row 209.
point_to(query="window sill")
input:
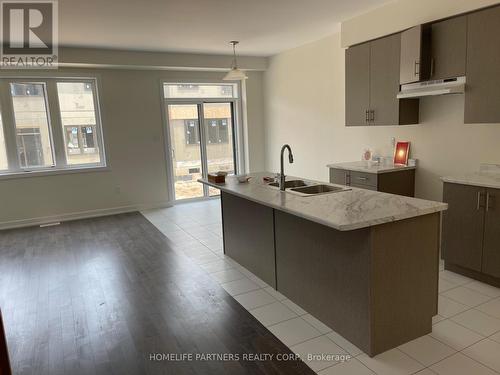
column 50, row 172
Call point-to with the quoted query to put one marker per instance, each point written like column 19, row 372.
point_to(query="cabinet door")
column 482, row 94
column 384, row 80
column 248, row 229
column 357, row 90
column 491, row 247
column 463, row 225
column 448, row 48
column 411, row 40
column 339, row 176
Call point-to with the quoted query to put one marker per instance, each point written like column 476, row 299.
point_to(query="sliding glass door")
column 219, row 139
column 202, row 141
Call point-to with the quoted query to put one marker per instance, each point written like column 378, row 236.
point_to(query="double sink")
column 306, row 188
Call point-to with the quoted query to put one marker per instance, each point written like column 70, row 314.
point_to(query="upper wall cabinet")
column 448, row 48
column 415, row 58
column 357, row 88
column 482, row 95
column 372, row 83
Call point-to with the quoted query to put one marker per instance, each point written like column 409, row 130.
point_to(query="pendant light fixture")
column 234, row 74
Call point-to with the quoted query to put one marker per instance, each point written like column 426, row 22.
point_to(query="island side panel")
column 248, row 230
column 326, row 272
column 404, row 279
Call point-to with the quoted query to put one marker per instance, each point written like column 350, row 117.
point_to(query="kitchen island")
column 363, row 262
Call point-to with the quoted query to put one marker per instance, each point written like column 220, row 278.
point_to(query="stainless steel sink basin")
column 290, row 184
column 317, row 189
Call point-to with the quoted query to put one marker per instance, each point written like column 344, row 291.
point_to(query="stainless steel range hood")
column 432, row 88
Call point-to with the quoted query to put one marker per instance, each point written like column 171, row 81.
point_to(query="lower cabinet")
column 491, row 245
column 248, row 229
column 398, row 182
column 357, row 282
column 471, row 231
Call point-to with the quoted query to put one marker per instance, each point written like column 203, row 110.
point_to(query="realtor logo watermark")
column 29, row 34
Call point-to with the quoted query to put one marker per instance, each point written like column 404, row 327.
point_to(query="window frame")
column 55, row 124
column 49, row 125
column 238, row 140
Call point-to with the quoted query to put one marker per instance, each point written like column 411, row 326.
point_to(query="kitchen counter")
column 350, row 258
column 489, row 180
column 344, row 211
column 363, row 166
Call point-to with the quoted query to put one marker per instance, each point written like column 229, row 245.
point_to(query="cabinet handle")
column 478, row 206
column 372, row 118
column 432, row 67
column 347, row 179
column 363, row 178
column 367, row 117
column 489, row 199
column 417, row 68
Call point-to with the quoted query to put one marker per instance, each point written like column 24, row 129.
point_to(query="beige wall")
column 132, row 124
column 402, row 14
column 304, row 96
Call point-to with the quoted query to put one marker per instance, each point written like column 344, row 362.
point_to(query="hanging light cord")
column 234, row 43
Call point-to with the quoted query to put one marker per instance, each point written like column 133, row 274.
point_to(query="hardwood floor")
column 99, row 296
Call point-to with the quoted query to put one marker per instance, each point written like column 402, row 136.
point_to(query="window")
column 217, row 130
column 192, row 132
column 34, row 141
column 50, row 135
column 192, row 90
column 78, row 119
column 4, row 164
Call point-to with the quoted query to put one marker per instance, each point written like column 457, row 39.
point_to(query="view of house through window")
column 34, row 140
column 78, row 119
column 56, row 125
column 198, row 150
column 220, row 153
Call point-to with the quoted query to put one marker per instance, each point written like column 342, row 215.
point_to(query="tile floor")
column 466, row 332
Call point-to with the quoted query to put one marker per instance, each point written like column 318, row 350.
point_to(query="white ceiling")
column 263, row 27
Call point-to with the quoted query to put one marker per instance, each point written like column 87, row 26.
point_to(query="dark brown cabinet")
column 357, row 60
column 471, row 231
column 384, row 84
column 482, row 95
column 248, row 229
column 491, row 245
column 372, row 83
column 463, row 225
column 396, row 182
column 415, row 59
column 448, row 48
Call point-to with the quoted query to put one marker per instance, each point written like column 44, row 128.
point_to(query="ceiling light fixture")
column 234, row 74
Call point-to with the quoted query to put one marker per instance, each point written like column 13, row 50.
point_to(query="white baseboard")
column 80, row 215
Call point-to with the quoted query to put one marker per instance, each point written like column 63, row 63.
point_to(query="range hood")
column 431, row 88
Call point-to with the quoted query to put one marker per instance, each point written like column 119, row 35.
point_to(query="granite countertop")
column 345, row 210
column 489, row 180
column 363, row 166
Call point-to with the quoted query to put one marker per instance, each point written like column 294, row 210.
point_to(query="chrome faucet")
column 282, row 172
